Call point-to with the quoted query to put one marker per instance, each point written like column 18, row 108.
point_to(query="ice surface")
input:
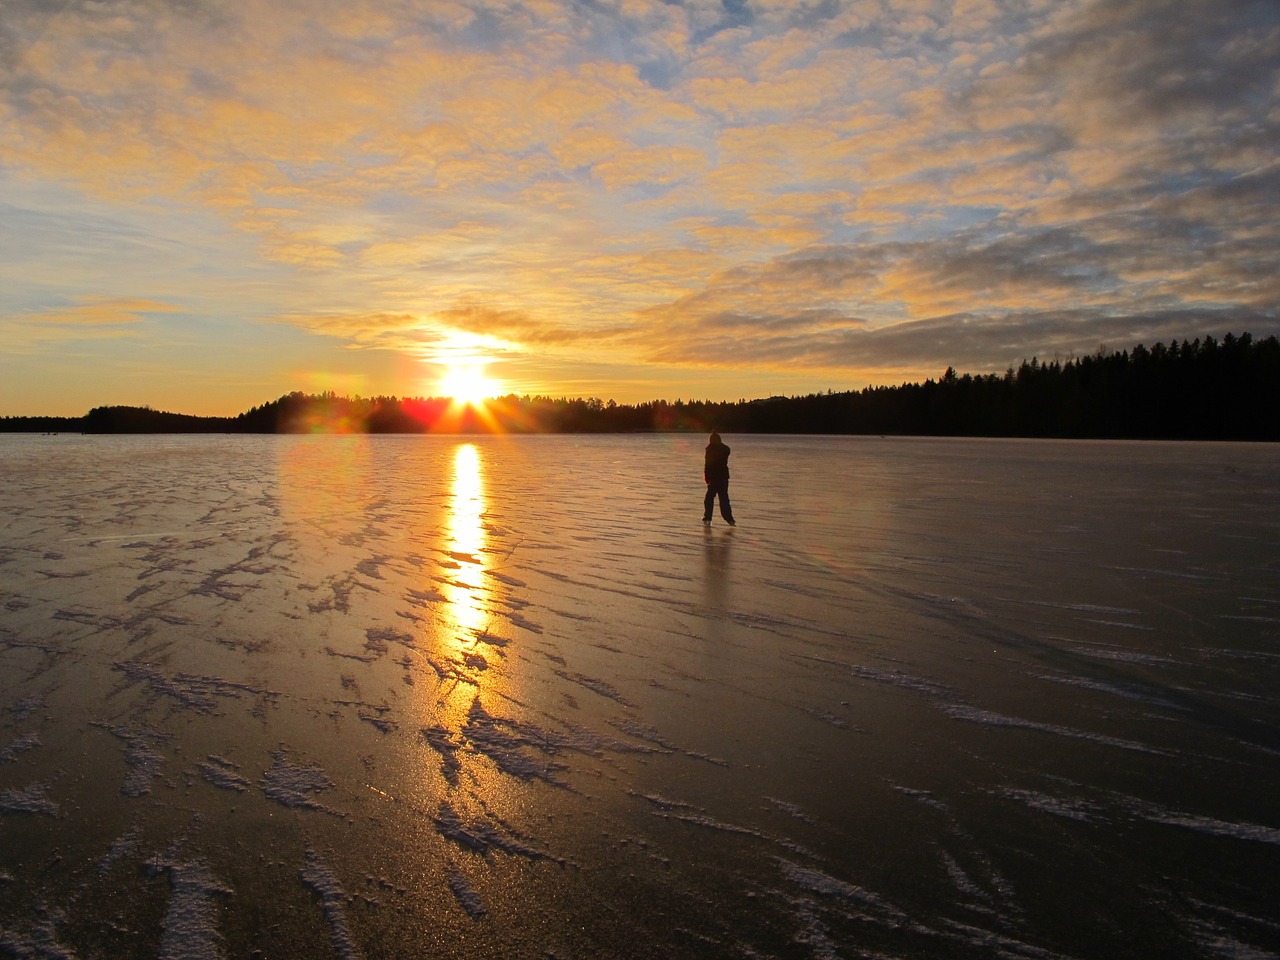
column 494, row 696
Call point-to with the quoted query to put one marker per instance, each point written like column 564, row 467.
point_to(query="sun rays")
column 467, row 384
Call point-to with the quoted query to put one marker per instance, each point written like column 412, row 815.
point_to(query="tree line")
column 1197, row 389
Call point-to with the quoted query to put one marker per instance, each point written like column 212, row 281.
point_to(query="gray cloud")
column 971, row 344
column 1060, row 259
column 1165, row 59
column 1182, row 92
column 1147, row 282
column 989, row 344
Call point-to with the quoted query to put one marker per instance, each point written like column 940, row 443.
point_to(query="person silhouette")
column 715, row 472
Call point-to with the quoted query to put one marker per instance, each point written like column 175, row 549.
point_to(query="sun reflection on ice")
column 463, row 725
column 468, row 608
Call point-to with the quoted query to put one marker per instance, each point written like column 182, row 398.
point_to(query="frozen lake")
column 298, row 697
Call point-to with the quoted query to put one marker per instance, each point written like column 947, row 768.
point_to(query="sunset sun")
column 467, row 384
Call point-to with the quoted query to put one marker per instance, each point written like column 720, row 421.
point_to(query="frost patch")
column 193, row 692
column 921, row 796
column 369, row 567
column 1120, row 655
column 21, row 745
column 995, row 944
column 510, row 581
column 1218, row 941
column 222, row 773
column 1059, row 807
column 333, row 900
column 523, row 623
column 701, row 820
column 377, row 720
column 40, row 944
column 481, row 836
column 489, row 639
column 602, row 687
column 642, row 731
column 291, row 784
column 987, row 718
column 1111, row 688
column 467, row 898
column 791, row 809
column 140, row 756
column 688, row 813
column 120, row 847
column 961, row 879
column 826, row 716
column 583, row 740
column 706, row 758
column 1218, row 828
column 378, row 640
column 27, row 800
column 815, row 881
column 503, row 742
column 24, row 708
column 662, row 803
column 443, row 743
column 425, row 598
column 814, row 933
column 895, row 678
column 190, row 930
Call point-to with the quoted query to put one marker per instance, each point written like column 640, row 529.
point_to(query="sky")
column 205, row 204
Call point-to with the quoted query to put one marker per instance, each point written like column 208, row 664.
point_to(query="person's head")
column 715, row 437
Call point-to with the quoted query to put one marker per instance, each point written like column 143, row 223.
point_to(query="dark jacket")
column 716, row 466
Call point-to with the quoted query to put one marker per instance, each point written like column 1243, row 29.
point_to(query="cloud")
column 485, row 329
column 991, row 343
column 854, row 354
column 91, row 318
column 651, row 167
column 864, row 305
column 515, row 327
column 770, row 184
column 1161, row 60
column 100, row 312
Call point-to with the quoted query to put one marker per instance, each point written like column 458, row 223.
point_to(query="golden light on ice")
column 468, row 607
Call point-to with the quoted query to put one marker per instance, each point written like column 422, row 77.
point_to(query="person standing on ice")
column 715, row 472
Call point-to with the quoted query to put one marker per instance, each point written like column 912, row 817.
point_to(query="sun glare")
column 466, row 383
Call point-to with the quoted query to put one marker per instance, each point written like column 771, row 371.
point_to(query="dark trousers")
column 718, row 488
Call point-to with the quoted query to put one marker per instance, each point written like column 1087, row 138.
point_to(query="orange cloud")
column 100, row 311
column 92, row 318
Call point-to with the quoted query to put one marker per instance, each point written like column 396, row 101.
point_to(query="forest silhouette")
column 1202, row 389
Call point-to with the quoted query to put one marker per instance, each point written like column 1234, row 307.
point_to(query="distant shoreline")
column 1196, row 390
